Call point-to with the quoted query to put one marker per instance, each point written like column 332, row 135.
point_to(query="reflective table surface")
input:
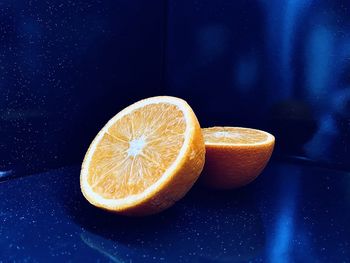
column 291, row 213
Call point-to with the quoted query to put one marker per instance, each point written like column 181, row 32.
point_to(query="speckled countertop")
column 291, row 213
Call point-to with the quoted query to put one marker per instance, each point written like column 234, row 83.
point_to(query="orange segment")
column 132, row 156
column 145, row 158
column 235, row 156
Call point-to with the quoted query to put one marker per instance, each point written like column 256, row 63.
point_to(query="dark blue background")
column 280, row 65
column 67, row 67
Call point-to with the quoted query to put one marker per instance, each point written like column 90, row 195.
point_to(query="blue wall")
column 281, row 65
column 66, row 68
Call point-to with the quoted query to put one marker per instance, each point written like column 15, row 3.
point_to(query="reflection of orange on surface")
column 145, row 158
column 235, row 156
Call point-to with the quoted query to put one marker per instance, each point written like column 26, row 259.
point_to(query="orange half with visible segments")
column 145, row 158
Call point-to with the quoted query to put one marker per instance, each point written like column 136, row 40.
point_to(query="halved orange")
column 145, row 158
column 235, row 156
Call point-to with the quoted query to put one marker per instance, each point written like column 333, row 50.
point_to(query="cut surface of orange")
column 235, row 156
column 145, row 158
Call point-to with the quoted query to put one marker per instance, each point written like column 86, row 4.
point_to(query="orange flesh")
column 136, row 150
column 233, row 135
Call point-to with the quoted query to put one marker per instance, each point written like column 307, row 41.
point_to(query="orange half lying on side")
column 235, row 156
column 145, row 158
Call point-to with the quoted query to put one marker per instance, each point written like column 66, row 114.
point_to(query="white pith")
column 136, row 146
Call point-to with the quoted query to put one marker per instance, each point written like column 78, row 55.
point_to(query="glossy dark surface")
column 291, row 213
